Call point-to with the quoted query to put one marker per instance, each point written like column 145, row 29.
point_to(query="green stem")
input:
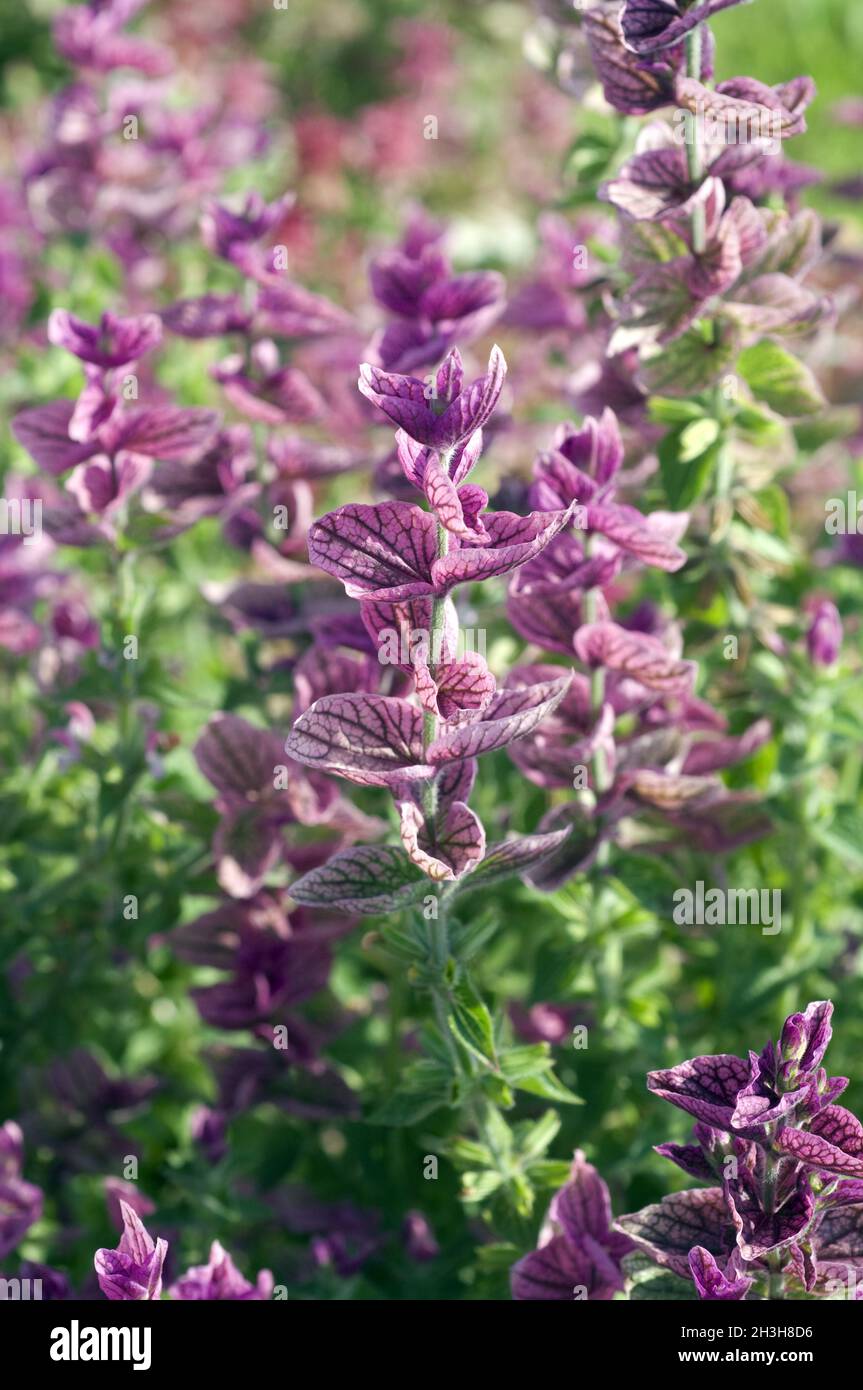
column 694, row 162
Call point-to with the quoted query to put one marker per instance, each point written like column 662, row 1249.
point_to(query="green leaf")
column 685, row 474
column 499, row 1257
column 696, row 438
column 549, row 1172
column 665, row 411
column 820, row 429
column 529, row 1068
column 426, row 1087
column 477, row 1186
column 467, row 1153
column 548, row 1087
column 540, row 1135
column 497, row 1131
column 748, row 540
column 589, row 158
column 690, row 363
column 649, row 880
column 471, row 1021
column 782, row 381
column 750, row 419
column 844, row 836
column 773, row 510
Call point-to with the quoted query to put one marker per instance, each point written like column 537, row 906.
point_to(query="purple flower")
column 714, row 1284
column 208, row 1129
column 20, row 1201
column 579, row 1253
column 442, row 413
column 433, row 307
column 831, row 1144
column 266, row 390
column 790, row 1162
column 389, row 552
column 82, row 1086
column 229, row 233
column 259, row 794
column 220, row 1280
column 630, row 83
column 272, row 966
column 132, row 1272
column 650, row 26
column 89, row 36
column 54, row 1284
column 824, row 636
column 583, row 469
column 113, row 342
column 419, row 1238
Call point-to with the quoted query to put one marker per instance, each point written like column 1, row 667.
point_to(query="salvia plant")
column 429, row 589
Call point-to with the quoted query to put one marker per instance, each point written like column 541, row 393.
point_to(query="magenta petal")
column 401, row 631
column 291, row 311
column 113, row 342
column 650, row 184
column 633, row 532
column 455, row 847
column 457, row 686
column 220, row 1280
column 168, row 432
column 473, row 407
column 44, row 433
column 374, row 740
column 209, row 316
column 709, row 755
column 634, row 654
column 583, row 1205
column 97, row 486
column 384, row 552
column 402, row 398
column 246, row 846
column 510, row 715
column 710, row 1281
column 238, row 757
column 669, row 1229
column 832, row 1144
column 512, row 541
column 132, row 1272
column 706, row 1087
column 445, row 501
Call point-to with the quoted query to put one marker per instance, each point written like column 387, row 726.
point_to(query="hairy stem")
column 694, row 161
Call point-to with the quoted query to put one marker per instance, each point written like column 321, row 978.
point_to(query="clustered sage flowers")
column 133, row 1272
column 783, row 1215
column 712, row 270
column 403, row 563
column 787, row 1216
column 666, row 762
